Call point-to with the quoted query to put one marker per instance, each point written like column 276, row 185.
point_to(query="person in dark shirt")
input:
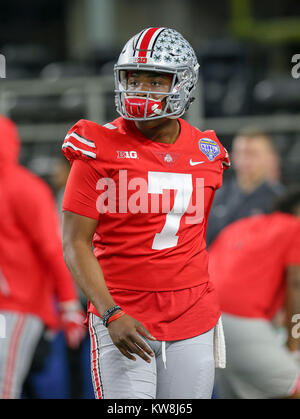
column 253, row 187
column 255, row 266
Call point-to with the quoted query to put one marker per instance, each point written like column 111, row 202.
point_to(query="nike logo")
column 193, row 163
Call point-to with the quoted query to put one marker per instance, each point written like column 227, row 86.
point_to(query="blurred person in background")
column 253, row 187
column 59, row 177
column 75, row 356
column 34, row 280
column 255, row 265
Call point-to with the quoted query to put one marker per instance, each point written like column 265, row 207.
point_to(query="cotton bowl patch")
column 209, row 147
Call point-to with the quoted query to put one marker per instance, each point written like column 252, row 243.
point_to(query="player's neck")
column 160, row 130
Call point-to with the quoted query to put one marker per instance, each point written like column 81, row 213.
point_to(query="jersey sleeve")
column 81, row 148
column 222, row 159
column 79, row 143
column 223, row 156
column 80, row 194
column 226, row 164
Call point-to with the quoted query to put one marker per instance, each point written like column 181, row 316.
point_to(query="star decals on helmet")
column 169, row 49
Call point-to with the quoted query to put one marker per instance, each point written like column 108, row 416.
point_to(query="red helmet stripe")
column 146, row 41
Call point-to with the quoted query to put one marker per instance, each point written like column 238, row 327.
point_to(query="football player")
column 140, row 191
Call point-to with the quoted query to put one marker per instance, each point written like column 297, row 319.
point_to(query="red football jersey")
column 247, row 263
column 152, row 201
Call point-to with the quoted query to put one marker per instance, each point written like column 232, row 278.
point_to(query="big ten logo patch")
column 127, row 155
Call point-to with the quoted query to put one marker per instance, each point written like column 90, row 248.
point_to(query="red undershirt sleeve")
column 81, row 194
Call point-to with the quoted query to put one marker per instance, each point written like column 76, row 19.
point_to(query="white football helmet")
column 161, row 50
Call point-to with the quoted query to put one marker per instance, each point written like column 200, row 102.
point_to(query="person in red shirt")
column 140, row 190
column 32, row 270
column 255, row 265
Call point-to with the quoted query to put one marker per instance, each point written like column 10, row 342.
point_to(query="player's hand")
column 125, row 333
column 72, row 324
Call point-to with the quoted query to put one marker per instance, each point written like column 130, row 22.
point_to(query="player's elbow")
column 69, row 248
column 74, row 250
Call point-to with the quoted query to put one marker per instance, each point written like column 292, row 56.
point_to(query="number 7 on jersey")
column 182, row 182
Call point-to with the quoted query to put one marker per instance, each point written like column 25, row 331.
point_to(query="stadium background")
column 59, row 60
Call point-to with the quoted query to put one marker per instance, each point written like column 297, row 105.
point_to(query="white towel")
column 219, row 345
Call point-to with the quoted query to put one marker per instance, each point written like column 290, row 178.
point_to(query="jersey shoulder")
column 86, row 139
column 210, row 145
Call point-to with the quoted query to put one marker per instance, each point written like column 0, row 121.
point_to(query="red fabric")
column 146, row 41
column 10, row 143
column 124, row 241
column 171, row 315
column 73, row 324
column 247, row 263
column 135, row 106
column 32, row 268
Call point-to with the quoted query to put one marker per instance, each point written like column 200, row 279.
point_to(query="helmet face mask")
column 163, row 51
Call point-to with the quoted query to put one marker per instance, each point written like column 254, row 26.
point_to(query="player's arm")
column 78, row 232
column 292, row 304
